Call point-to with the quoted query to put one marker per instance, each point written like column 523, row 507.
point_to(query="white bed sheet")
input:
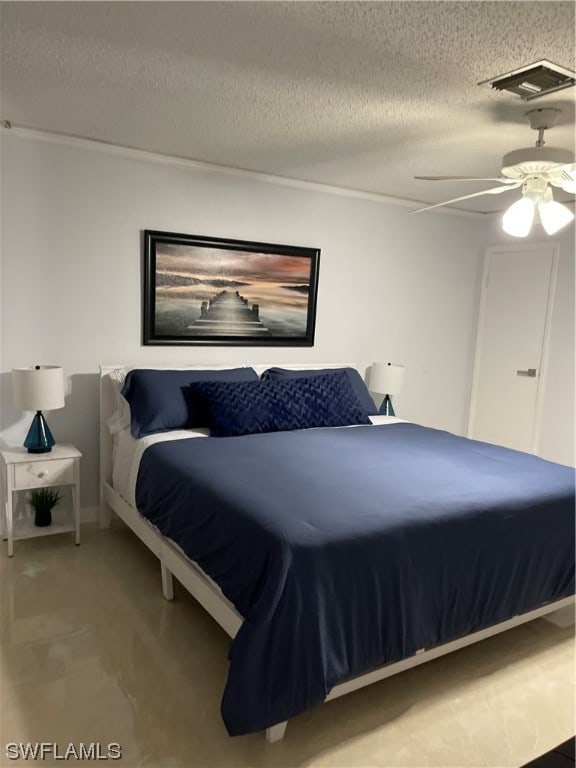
column 128, row 453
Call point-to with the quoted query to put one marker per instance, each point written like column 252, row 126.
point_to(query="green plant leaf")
column 44, row 499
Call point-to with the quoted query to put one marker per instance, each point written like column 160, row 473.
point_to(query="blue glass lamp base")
column 387, row 409
column 39, row 438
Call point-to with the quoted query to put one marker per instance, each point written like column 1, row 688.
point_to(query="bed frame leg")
column 276, row 732
column 167, row 582
column 563, row 618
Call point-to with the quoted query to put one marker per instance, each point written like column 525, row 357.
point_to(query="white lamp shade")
column 517, row 221
column 386, row 378
column 554, row 216
column 38, row 389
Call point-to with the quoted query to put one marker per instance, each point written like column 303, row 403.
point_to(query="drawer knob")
column 43, row 473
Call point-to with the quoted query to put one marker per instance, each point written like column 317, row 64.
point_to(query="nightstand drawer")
column 40, row 473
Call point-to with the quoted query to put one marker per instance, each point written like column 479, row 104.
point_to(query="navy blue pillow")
column 356, row 380
column 276, row 405
column 161, row 400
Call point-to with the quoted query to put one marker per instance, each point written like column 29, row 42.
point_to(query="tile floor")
column 91, row 652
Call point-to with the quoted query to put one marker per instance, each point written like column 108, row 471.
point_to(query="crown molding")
column 119, row 150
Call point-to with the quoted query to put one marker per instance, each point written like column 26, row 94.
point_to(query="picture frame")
column 217, row 291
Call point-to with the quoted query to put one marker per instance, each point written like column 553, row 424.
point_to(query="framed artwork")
column 207, row 290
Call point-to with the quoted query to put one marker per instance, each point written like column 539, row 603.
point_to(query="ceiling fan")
column 536, row 170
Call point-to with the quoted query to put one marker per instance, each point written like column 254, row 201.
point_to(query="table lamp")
column 40, row 388
column 386, row 379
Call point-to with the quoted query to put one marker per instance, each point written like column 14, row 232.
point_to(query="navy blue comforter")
column 345, row 549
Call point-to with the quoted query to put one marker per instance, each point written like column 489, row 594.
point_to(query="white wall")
column 557, row 437
column 393, row 286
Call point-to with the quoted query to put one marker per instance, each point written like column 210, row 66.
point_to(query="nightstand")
column 22, row 471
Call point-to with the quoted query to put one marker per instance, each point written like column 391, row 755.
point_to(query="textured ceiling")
column 362, row 95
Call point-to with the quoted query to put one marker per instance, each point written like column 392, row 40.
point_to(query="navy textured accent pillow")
column 356, row 380
column 161, row 400
column 277, row 405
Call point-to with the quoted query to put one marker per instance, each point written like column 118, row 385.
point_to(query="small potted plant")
column 43, row 500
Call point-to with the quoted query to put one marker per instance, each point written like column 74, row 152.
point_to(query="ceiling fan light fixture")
column 517, row 220
column 554, row 216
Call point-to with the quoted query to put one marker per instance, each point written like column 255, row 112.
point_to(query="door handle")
column 531, row 372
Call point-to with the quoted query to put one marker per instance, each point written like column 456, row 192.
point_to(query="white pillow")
column 120, row 419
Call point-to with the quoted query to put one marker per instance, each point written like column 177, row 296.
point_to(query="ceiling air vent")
column 533, row 81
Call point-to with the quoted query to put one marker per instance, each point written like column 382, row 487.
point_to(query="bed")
column 283, row 536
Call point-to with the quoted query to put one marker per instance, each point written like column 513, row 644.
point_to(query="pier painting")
column 200, row 290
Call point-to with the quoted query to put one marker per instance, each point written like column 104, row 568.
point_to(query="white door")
column 515, row 309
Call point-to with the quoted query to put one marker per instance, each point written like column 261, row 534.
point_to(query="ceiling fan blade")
column 464, row 178
column 564, row 177
column 569, row 169
column 493, row 191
